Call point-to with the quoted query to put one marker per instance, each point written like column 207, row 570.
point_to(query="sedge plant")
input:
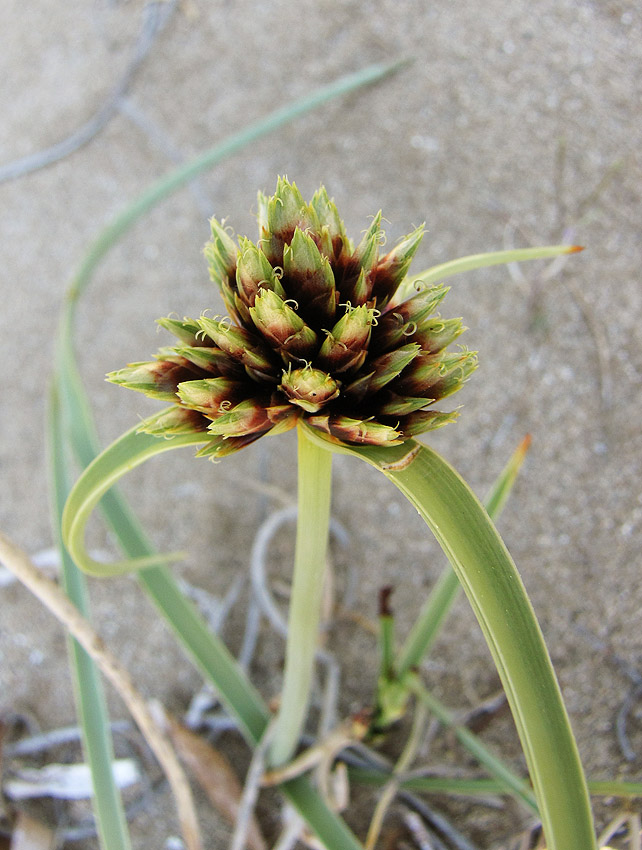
column 341, row 343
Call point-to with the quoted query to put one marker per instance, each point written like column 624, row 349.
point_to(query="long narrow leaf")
column 442, row 597
column 497, row 595
column 478, row 787
column 92, row 709
column 509, row 782
column 126, row 453
column 480, row 261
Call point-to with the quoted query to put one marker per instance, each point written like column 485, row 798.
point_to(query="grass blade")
column 442, row 597
column 508, row 781
column 479, row 787
column 430, row 276
column 126, row 453
column 92, row 710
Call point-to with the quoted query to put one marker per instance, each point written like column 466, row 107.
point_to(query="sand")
column 515, row 124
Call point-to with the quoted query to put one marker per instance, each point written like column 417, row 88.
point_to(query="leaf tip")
column 385, row 593
column 525, row 445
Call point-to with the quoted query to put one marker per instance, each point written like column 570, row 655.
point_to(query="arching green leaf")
column 126, row 453
column 497, row 595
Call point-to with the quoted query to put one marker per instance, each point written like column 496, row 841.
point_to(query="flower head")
column 316, row 331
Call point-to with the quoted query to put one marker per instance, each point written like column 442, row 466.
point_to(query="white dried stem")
column 59, row 605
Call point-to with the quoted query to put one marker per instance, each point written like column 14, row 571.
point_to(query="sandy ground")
column 517, row 123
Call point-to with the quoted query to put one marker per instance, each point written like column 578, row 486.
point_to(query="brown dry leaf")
column 31, row 834
column 214, row 774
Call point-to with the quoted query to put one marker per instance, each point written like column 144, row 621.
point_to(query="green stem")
column 314, row 486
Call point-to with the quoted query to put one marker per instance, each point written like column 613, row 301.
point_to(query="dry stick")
column 437, row 822
column 44, row 741
column 293, row 829
column 621, row 721
column 612, row 828
column 422, row 837
column 392, row 787
column 635, row 828
column 348, row 733
column 156, row 15
column 55, row 600
column 251, row 790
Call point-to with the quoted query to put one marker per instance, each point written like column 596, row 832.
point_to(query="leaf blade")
column 90, row 698
column 498, row 598
column 444, row 592
column 127, row 452
column 470, row 262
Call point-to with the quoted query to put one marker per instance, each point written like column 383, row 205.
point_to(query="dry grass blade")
column 30, row 834
column 392, row 786
column 632, row 821
column 213, row 772
column 418, row 830
column 345, row 735
column 55, row 600
column 65, row 781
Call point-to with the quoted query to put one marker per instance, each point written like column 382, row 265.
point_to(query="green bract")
column 317, row 330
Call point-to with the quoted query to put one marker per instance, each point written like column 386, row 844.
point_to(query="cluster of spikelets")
column 318, row 330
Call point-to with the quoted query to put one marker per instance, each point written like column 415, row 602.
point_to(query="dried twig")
column 55, row 600
column 437, row 822
column 629, row 819
column 215, row 775
column 156, row 15
column 260, row 588
column 621, row 720
column 420, row 834
column 392, row 787
column 291, row 832
column 251, row 790
column 345, row 735
column 54, row 738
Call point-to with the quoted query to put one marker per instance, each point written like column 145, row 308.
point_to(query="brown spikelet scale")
column 314, row 333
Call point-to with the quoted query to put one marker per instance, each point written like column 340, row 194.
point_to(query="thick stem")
column 314, row 485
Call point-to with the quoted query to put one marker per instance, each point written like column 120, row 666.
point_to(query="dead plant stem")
column 59, row 605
